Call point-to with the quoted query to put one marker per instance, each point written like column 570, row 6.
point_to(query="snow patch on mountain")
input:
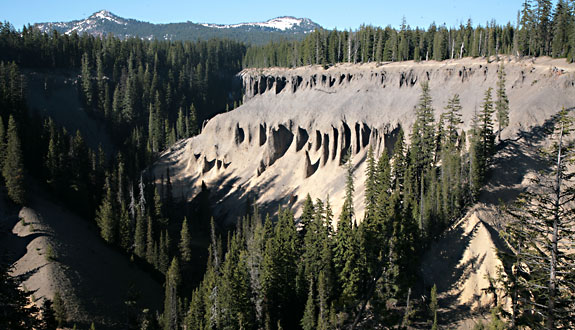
column 279, row 23
column 106, row 15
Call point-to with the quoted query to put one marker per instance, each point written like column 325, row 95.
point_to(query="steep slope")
column 54, row 93
column 104, row 22
column 55, row 251
column 289, row 137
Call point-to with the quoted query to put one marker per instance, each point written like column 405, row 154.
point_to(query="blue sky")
column 329, row 14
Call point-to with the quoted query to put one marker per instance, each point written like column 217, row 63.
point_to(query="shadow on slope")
column 97, row 283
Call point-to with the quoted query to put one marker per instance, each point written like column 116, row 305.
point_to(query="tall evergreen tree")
column 308, row 322
column 502, row 102
column 422, row 133
column 171, row 317
column 106, row 216
column 87, row 86
column 453, row 118
column 185, row 242
column 2, row 143
column 13, row 169
column 487, row 137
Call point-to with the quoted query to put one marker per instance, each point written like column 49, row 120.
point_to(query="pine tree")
column 307, row 215
column 2, row 144
column 48, row 316
column 279, row 271
column 525, row 35
column 453, row 118
column 346, row 248
column 323, row 297
column 15, row 312
column 422, row 134
column 193, row 127
column 502, row 102
column 125, row 231
column 185, row 242
column 151, row 255
column 543, row 33
column 371, row 186
column 140, row 236
column 476, row 160
column 309, row 316
column 487, row 137
column 171, row 317
column 106, row 216
column 59, row 309
column 87, row 87
column 562, row 23
column 13, row 169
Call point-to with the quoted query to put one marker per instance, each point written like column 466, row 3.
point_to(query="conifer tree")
column 398, row 160
column 185, row 242
column 502, row 102
column 193, row 127
column 279, row 271
column 308, row 322
column 422, row 134
column 48, row 317
column 151, row 256
column 106, row 217
column 171, row 317
column 13, row 169
column 126, row 230
column 476, row 161
column 16, row 312
column 371, row 186
column 307, row 215
column 59, row 309
column 453, row 118
column 87, row 87
column 323, row 299
column 164, row 253
column 140, row 236
column 2, row 143
column 562, row 23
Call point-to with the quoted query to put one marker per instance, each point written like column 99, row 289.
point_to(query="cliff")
column 290, row 135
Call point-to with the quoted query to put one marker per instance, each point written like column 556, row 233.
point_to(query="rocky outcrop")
column 296, row 126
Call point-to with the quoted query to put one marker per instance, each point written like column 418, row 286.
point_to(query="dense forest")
column 541, row 31
column 283, row 272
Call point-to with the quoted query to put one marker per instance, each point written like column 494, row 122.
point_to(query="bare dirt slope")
column 93, row 279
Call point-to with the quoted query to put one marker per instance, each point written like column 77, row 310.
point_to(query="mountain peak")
column 107, row 15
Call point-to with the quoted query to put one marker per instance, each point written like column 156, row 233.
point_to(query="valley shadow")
column 14, row 247
column 441, row 266
column 514, row 159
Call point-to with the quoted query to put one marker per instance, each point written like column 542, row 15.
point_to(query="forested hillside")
column 147, row 94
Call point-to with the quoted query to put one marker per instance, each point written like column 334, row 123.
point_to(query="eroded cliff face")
column 290, row 136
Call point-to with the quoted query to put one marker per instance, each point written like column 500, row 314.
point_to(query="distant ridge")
column 104, row 22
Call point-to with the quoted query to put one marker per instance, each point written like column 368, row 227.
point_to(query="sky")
column 329, row 14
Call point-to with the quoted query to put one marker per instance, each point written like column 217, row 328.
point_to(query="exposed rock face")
column 292, row 133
